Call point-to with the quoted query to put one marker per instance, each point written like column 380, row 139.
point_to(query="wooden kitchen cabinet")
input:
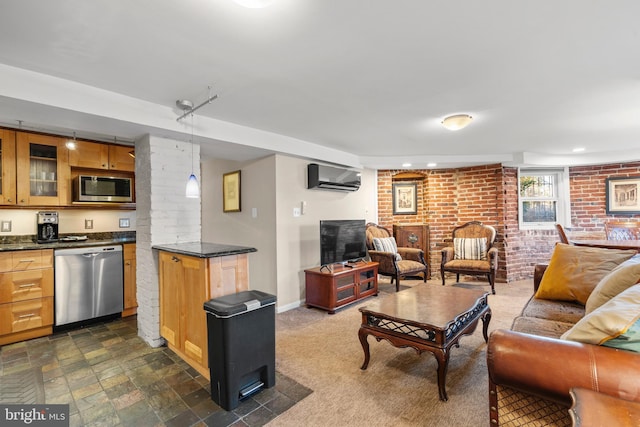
column 93, row 155
column 414, row 236
column 186, row 283
column 43, row 173
column 130, row 289
column 26, row 295
column 8, row 167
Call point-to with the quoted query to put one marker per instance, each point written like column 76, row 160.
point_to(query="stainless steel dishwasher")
column 88, row 283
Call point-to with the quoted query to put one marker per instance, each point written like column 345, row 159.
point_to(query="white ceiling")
column 357, row 82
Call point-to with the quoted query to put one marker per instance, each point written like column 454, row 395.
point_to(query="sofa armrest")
column 549, row 367
column 538, row 272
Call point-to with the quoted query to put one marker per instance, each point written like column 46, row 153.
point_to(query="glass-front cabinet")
column 42, row 174
column 7, row 167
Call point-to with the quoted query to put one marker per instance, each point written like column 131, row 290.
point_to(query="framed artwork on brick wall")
column 405, row 199
column 622, row 195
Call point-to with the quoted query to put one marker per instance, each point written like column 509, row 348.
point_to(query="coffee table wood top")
column 431, row 305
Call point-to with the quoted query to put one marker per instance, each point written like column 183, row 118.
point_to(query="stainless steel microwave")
column 87, row 188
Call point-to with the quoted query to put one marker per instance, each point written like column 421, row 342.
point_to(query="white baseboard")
column 290, row 306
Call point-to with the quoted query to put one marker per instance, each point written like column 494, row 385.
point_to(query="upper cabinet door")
column 43, row 171
column 93, row 155
column 89, row 155
column 7, row 167
column 122, row 158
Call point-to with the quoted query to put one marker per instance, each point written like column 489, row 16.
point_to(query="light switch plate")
column 296, row 212
column 88, row 224
column 6, row 226
column 124, row 222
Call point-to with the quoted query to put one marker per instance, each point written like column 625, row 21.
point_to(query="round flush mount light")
column 254, row 4
column 457, row 121
column 406, row 165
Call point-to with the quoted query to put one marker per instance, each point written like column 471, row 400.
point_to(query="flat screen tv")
column 342, row 241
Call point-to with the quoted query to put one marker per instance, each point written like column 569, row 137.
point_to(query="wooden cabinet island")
column 191, row 274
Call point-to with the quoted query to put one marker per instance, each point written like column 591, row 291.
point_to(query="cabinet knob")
column 175, row 259
column 9, row 200
column 104, row 165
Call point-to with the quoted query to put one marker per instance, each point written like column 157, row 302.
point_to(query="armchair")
column 472, row 252
column 393, row 261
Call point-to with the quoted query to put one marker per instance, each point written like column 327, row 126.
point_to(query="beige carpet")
column 399, row 388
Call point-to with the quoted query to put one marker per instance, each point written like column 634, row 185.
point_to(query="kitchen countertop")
column 204, row 249
column 23, row 246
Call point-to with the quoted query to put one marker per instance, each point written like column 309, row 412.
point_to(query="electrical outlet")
column 124, row 222
column 296, row 212
column 6, row 226
column 88, row 224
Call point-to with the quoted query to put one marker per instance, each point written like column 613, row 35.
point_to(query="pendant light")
column 193, row 188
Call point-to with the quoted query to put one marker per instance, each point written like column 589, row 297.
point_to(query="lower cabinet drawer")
column 25, row 315
column 26, row 285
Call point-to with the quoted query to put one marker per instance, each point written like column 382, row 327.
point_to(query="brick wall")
column 450, row 197
column 164, row 215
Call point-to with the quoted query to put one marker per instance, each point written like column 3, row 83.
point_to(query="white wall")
column 298, row 238
column 257, row 189
column 286, row 245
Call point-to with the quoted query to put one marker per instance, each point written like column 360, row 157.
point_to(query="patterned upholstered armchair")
column 393, row 261
column 472, row 252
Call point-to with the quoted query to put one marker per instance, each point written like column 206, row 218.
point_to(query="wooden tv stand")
column 330, row 287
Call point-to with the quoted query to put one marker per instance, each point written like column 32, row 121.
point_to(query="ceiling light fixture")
column 578, row 149
column 457, row 121
column 71, row 143
column 432, row 165
column 193, row 188
column 406, row 165
column 254, row 4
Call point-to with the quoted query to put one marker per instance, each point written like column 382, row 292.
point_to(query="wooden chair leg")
column 397, row 283
column 442, row 275
column 491, row 282
column 457, row 277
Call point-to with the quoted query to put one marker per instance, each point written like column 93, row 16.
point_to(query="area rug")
column 399, row 388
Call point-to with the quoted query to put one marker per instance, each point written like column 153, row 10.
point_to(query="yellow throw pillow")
column 623, row 276
column 574, row 271
column 615, row 319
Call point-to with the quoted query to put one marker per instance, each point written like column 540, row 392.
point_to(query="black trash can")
column 241, row 332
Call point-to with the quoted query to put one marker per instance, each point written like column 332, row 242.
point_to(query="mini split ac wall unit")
column 332, row 178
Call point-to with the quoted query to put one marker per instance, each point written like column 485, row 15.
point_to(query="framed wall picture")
column 405, row 199
column 231, row 192
column 622, row 195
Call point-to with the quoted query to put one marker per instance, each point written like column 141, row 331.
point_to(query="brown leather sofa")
column 531, row 370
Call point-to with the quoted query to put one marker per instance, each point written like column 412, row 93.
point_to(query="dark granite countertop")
column 27, row 242
column 204, row 249
column 24, row 246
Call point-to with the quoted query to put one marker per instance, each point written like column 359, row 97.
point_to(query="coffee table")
column 426, row 318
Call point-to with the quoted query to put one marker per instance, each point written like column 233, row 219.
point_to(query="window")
column 543, row 198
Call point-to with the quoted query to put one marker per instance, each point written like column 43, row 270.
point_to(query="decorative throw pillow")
column 386, row 244
column 623, row 276
column 574, row 271
column 613, row 324
column 466, row 248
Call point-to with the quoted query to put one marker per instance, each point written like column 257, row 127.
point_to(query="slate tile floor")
column 110, row 377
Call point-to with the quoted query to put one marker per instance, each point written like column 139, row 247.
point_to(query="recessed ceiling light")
column 432, row 165
column 406, row 165
column 578, row 150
